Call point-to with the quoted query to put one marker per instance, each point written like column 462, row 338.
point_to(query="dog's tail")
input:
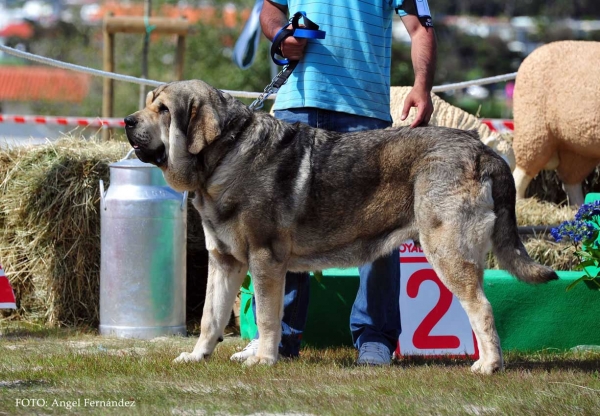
column 506, row 243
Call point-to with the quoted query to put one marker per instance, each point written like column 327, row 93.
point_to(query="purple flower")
column 576, row 231
column 588, row 211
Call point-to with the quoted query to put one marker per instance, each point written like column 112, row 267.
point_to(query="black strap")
column 283, row 76
column 309, row 31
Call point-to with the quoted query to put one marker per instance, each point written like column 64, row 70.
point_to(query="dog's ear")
column 203, row 128
column 151, row 96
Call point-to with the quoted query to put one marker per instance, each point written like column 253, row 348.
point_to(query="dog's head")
column 180, row 120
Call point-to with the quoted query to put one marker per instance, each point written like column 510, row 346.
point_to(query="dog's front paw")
column 189, row 357
column 255, row 359
column 484, row 368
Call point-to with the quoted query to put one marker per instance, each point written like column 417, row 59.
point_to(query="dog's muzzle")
column 157, row 156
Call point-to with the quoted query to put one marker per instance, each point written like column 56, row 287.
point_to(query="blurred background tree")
column 462, row 57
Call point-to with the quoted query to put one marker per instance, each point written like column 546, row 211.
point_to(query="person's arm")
column 423, row 54
column 273, row 17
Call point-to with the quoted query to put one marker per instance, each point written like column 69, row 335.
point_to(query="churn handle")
column 184, row 200
column 102, row 192
column 102, row 196
column 128, row 154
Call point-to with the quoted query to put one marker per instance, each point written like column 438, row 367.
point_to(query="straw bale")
column 49, row 225
column 532, row 211
column 50, row 230
column 542, row 248
column 559, row 256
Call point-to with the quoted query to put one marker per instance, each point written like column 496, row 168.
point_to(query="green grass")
column 73, row 365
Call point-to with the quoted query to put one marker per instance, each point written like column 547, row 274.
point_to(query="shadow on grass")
column 587, row 362
column 533, row 362
column 19, row 384
column 587, row 365
column 33, row 331
column 346, row 357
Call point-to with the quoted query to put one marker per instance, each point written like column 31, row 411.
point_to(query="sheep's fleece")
column 557, row 115
column 447, row 115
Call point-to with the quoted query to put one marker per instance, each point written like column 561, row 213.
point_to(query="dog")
column 275, row 196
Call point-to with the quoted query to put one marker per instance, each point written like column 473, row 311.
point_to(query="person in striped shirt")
column 342, row 83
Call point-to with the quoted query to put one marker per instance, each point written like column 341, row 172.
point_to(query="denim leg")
column 375, row 315
column 295, row 312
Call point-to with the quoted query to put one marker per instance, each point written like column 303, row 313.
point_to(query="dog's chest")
column 222, row 236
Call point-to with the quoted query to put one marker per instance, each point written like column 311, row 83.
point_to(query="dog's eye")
column 163, row 109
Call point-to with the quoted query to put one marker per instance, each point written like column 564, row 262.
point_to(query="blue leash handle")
column 309, row 31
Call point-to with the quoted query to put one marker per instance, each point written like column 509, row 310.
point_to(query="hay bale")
column 542, row 248
column 50, row 230
column 532, row 211
column 559, row 256
column 49, row 225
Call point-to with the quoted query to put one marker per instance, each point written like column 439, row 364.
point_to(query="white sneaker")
column 373, row 353
column 249, row 350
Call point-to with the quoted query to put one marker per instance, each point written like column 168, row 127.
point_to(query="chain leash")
column 270, row 89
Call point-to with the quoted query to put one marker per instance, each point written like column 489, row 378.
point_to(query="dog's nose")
column 130, row 121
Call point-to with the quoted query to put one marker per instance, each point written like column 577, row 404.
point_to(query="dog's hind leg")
column 268, row 277
column 225, row 276
column 457, row 258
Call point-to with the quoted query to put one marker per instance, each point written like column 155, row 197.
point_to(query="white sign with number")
column 433, row 321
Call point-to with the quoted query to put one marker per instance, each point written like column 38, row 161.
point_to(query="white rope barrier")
column 239, row 94
column 96, row 72
column 481, row 81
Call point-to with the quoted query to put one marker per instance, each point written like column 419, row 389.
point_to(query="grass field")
column 61, row 371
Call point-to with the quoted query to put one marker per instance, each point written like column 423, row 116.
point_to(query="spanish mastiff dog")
column 275, row 196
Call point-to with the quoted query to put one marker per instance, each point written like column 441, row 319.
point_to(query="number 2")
column 422, row 337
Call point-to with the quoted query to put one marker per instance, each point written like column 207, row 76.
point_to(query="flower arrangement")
column 583, row 232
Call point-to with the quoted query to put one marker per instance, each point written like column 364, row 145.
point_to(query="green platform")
column 527, row 317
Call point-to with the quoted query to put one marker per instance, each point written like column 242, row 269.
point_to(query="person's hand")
column 293, row 48
column 421, row 99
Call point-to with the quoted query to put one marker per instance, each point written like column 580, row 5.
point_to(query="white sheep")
column 447, row 115
column 557, row 115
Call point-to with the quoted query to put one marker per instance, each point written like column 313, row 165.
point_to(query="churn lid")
column 132, row 171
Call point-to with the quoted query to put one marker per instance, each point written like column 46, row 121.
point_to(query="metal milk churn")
column 143, row 225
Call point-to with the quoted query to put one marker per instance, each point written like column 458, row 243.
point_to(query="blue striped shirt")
column 349, row 70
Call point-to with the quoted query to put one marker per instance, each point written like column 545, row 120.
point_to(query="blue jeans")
column 375, row 315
